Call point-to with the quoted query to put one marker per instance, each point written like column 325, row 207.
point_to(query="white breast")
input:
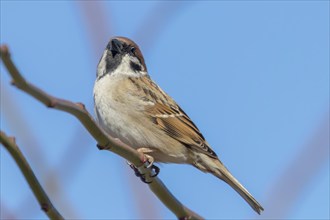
column 108, row 109
column 119, row 116
column 123, row 118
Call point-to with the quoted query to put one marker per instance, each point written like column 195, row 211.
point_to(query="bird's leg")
column 151, row 165
column 148, row 158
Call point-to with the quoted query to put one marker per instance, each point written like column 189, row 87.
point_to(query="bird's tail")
column 223, row 173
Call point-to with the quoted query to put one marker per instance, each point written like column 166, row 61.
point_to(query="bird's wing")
column 170, row 118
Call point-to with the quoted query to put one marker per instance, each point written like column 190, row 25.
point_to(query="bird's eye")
column 132, row 51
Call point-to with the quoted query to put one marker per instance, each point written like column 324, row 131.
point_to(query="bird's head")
column 123, row 57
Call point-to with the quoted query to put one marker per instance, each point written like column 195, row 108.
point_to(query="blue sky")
column 253, row 75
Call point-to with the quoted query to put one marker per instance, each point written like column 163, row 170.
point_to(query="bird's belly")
column 114, row 123
column 123, row 120
column 129, row 130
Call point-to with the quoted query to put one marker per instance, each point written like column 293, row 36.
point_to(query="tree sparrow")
column 133, row 108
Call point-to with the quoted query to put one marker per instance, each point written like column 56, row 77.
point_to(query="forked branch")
column 104, row 140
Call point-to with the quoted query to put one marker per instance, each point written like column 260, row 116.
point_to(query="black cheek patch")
column 135, row 67
column 110, row 66
column 112, row 63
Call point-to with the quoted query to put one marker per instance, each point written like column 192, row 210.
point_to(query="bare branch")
column 104, row 140
column 40, row 194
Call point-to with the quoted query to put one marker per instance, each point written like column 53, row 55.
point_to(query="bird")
column 130, row 106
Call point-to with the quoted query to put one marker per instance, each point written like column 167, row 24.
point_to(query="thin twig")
column 45, row 204
column 105, row 141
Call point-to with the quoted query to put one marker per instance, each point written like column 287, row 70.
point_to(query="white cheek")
column 101, row 68
column 124, row 68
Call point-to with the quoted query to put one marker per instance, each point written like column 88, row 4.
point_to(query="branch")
column 105, row 141
column 40, row 194
column 35, row 152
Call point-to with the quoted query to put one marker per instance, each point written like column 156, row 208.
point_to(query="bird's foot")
column 148, row 163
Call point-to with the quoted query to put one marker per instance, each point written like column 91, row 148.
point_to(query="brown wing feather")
column 169, row 117
column 174, row 121
column 180, row 127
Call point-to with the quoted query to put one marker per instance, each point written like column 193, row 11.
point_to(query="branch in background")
column 104, row 140
column 98, row 25
column 159, row 17
column 13, row 115
column 292, row 182
column 6, row 213
column 39, row 193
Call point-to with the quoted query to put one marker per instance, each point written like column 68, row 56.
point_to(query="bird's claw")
column 149, row 159
column 154, row 171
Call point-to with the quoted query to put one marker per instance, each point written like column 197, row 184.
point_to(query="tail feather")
column 214, row 166
column 223, row 174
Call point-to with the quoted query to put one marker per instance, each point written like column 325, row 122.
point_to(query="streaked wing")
column 166, row 114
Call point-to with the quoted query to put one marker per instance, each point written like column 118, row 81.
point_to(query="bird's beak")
column 115, row 47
